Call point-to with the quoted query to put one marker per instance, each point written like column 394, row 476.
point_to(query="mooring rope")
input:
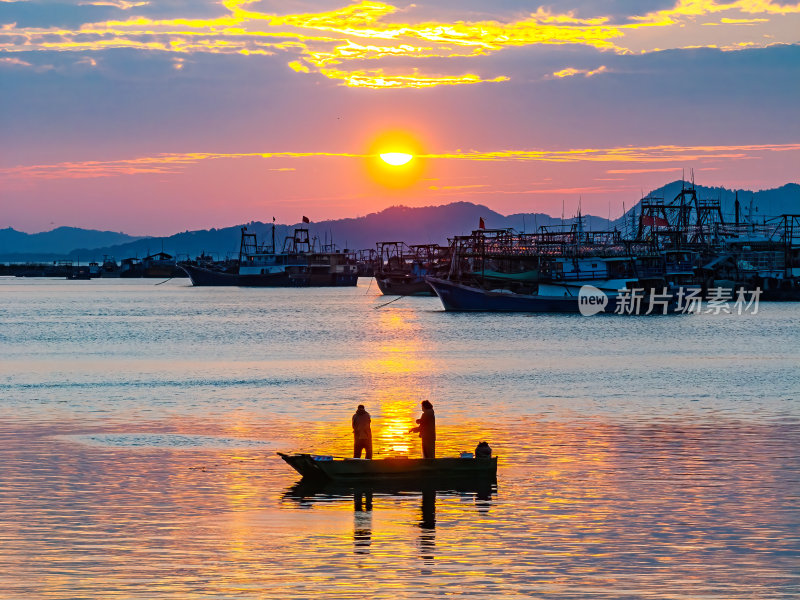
column 388, row 303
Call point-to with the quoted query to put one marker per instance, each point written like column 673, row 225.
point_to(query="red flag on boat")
column 652, row 221
column 305, row 219
column 481, row 224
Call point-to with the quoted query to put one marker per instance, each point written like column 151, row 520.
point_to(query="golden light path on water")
column 394, row 366
column 137, row 448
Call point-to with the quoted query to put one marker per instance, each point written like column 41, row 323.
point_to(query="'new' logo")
column 591, row 300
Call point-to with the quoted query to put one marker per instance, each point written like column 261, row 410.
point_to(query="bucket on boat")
column 467, row 455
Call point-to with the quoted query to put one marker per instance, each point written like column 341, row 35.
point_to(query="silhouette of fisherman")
column 427, row 430
column 362, row 433
column 483, row 450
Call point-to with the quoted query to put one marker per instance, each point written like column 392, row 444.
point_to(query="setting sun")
column 396, row 158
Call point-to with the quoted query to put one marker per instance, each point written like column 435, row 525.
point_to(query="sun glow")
column 396, row 158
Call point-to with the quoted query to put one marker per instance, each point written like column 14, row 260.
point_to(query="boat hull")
column 392, row 469
column 459, row 297
column 201, row 276
column 393, row 286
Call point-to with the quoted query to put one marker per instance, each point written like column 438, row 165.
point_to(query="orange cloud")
column 10, row 60
column 570, row 72
column 339, row 43
column 699, row 8
column 177, row 162
column 644, row 154
column 161, row 163
column 635, row 171
column 729, row 21
column 450, row 188
column 123, row 4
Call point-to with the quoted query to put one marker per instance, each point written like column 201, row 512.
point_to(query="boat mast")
column 273, row 235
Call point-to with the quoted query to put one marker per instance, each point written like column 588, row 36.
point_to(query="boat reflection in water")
column 362, row 522
column 308, row 492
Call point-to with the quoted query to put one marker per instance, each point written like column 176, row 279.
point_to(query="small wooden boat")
column 382, row 469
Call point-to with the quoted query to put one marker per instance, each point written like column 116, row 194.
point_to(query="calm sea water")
column 639, row 457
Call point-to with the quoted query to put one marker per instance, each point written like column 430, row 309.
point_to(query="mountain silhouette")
column 55, row 244
column 421, row 225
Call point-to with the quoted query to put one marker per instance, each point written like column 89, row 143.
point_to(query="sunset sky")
column 161, row 116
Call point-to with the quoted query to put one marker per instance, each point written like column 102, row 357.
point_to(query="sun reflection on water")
column 401, row 370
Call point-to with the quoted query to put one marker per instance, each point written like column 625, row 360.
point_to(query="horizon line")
column 393, row 206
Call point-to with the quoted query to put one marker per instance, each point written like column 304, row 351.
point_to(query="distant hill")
column 52, row 245
column 429, row 224
column 423, row 225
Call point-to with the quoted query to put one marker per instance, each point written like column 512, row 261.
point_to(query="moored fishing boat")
column 401, row 270
column 356, row 469
column 160, row 265
column 259, row 265
column 463, row 297
column 563, row 271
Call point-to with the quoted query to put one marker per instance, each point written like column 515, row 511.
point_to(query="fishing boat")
column 160, row 265
column 552, row 271
column 259, row 265
column 131, row 268
column 382, row 469
column 109, row 268
column 401, row 269
column 79, row 274
column 702, row 250
column 461, row 297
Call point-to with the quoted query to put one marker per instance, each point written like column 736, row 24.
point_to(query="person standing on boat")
column 427, row 430
column 362, row 433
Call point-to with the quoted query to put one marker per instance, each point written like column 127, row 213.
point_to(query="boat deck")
column 355, row 469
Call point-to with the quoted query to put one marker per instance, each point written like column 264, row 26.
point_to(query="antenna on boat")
column 624, row 218
column 273, row 235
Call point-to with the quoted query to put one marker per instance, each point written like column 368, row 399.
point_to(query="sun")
column 396, row 159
